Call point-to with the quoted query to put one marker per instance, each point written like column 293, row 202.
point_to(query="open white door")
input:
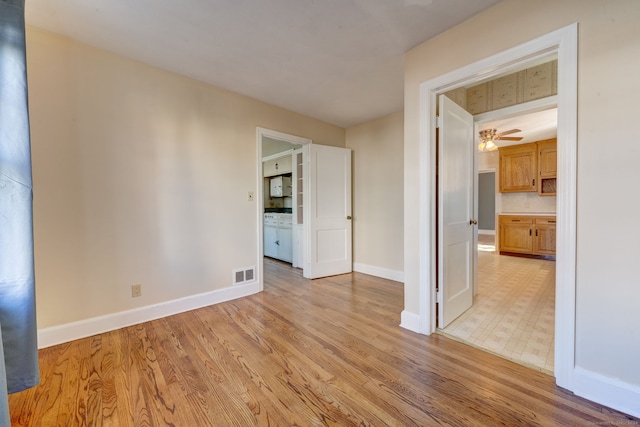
column 328, row 212
column 456, row 224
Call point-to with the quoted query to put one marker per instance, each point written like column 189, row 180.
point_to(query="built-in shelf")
column 299, row 189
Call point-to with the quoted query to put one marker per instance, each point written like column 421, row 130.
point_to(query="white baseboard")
column 97, row 325
column 607, row 391
column 385, row 273
column 410, row 321
column 487, row 232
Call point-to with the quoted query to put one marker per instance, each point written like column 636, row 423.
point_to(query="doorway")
column 562, row 42
column 513, row 310
column 324, row 175
column 486, row 203
column 272, row 144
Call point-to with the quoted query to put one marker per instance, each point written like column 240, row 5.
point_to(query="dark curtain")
column 17, row 284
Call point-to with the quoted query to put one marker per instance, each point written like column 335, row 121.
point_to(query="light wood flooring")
column 327, row 352
column 514, row 311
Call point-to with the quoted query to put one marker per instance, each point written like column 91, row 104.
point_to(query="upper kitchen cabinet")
column 518, row 168
column 278, row 166
column 547, row 166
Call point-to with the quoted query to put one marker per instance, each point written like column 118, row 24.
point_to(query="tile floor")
column 513, row 312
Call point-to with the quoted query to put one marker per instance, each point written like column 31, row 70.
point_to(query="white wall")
column 140, row 176
column 607, row 335
column 377, row 196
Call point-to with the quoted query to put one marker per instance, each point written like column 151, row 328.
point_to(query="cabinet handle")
column 529, row 232
column 551, row 222
column 278, row 242
column 515, row 220
column 536, row 232
column 533, row 183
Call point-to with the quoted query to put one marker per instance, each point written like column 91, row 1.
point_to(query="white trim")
column 518, row 109
column 97, row 325
column 278, row 155
column 410, row 321
column 373, row 270
column 607, row 391
column 564, row 43
column 487, row 232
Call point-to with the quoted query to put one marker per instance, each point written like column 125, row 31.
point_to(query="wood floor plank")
column 324, row 352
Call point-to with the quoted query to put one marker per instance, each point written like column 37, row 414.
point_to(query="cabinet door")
column 518, row 168
column 548, row 158
column 269, row 168
column 547, row 166
column 544, row 242
column 275, row 187
column 279, row 166
column 285, row 247
column 270, row 239
column 516, row 235
column 284, row 164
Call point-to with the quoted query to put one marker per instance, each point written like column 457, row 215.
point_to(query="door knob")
column 473, row 221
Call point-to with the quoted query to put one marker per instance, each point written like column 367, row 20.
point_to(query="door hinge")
column 438, row 296
column 438, row 122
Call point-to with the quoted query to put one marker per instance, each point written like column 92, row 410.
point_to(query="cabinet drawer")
column 546, row 220
column 509, row 219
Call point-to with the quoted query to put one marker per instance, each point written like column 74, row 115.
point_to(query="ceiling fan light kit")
column 488, row 136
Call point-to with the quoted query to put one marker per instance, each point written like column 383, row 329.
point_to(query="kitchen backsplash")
column 527, row 202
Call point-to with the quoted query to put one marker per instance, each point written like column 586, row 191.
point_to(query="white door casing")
column 563, row 42
column 455, row 211
column 328, row 239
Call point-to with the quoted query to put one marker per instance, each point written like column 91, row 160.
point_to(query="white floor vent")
column 244, row 275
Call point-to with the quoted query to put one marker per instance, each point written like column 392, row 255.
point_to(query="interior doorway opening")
column 283, row 235
column 563, row 42
column 513, row 309
column 319, row 193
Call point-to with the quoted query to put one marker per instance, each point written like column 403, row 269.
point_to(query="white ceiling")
column 534, row 126
column 340, row 61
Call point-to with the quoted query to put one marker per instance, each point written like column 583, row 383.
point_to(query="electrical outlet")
column 251, row 196
column 136, row 290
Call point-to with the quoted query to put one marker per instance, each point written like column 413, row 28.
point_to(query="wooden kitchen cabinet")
column 547, row 167
column 518, row 168
column 515, row 234
column 544, row 242
column 527, row 234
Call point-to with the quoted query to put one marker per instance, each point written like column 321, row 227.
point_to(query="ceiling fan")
column 488, row 136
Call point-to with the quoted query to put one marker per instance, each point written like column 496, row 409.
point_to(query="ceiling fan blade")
column 509, row 138
column 508, row 132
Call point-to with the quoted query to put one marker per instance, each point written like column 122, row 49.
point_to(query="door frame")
column 563, row 43
column 273, row 134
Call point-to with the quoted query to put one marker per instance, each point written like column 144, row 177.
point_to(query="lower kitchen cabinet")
column 527, row 234
column 277, row 236
column 515, row 234
column 544, row 242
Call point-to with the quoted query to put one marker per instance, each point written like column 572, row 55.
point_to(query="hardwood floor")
column 327, row 352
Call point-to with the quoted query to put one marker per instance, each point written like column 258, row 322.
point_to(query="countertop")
column 528, row 213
